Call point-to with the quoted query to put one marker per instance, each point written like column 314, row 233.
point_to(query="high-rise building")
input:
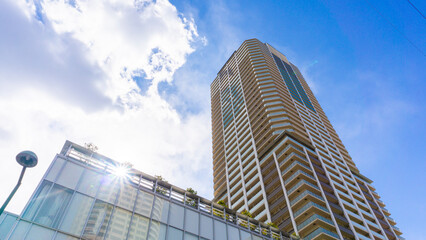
column 85, row 195
column 276, row 154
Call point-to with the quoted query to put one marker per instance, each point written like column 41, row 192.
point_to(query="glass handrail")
column 308, row 205
column 303, row 181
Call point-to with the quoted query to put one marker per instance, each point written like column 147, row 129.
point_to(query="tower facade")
column 276, row 154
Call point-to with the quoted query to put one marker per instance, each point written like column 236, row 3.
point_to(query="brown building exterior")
column 276, row 154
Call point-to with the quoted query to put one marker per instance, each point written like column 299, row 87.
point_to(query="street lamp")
column 25, row 159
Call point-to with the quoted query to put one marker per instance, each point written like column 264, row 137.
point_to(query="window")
column 47, row 207
column 174, row 234
column 70, row 175
column 144, row 203
column 119, row 224
column 55, row 169
column 138, row 228
column 37, row 233
column 90, row 182
column 233, row 233
column 160, row 210
column 20, row 231
column 157, row 231
column 219, row 230
column 127, row 196
column 98, row 220
column 37, row 200
column 6, row 225
column 110, row 186
column 61, row 236
column 191, row 221
column 206, row 227
column 76, row 214
column 176, row 215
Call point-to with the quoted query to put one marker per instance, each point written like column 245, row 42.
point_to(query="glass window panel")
column 138, row 228
column 37, row 200
column 144, row 203
column 176, row 215
column 206, row 227
column 76, row 214
column 119, row 224
column 61, row 236
column 127, row 196
column 245, row 235
column 157, row 231
column 254, row 237
column 70, row 175
column 20, row 231
column 219, row 230
column 98, row 220
column 160, row 210
column 6, row 225
column 89, row 182
column 233, row 233
column 54, row 206
column 36, row 233
column 174, row 234
column 55, row 169
column 191, row 221
column 110, row 186
column 189, row 236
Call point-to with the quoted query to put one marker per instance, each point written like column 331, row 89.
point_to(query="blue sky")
column 134, row 77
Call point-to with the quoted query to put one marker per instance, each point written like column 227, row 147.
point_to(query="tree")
column 272, row 224
column 91, row 146
column 159, row 189
column 190, row 201
column 246, row 213
column 191, row 191
column 222, row 203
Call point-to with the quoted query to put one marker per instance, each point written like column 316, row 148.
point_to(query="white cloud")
column 70, row 76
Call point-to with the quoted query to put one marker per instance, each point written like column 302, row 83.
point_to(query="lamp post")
column 25, row 159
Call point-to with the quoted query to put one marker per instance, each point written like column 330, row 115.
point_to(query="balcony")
column 320, row 231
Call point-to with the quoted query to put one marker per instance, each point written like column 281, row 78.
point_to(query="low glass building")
column 84, row 195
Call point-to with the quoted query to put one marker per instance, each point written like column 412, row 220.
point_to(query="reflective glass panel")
column 219, row 230
column 98, row 220
column 233, row 233
column 144, row 203
column 157, row 231
column 119, row 224
column 189, row 236
column 245, row 235
column 254, row 237
column 54, row 206
column 70, row 175
column 160, row 210
column 6, row 225
column 61, row 236
column 191, row 221
column 127, row 196
column 37, row 233
column 176, row 215
column 90, row 182
column 55, row 169
column 20, row 231
column 110, row 186
column 206, row 227
column 138, row 228
column 174, row 234
column 76, row 214
column 37, row 200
